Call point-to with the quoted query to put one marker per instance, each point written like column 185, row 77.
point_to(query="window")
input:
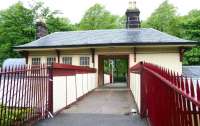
column 67, row 60
column 85, row 61
column 51, row 60
column 35, row 61
column 133, row 18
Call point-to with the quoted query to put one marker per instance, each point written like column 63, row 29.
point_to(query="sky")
column 75, row 9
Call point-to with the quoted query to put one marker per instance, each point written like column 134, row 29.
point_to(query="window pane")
column 84, row 61
column 51, row 60
column 67, row 60
column 35, row 61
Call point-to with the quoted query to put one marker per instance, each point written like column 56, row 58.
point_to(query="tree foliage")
column 17, row 26
column 120, row 68
column 190, row 27
column 165, row 19
column 97, row 17
column 55, row 24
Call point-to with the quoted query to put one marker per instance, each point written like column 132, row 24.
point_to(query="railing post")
column 142, row 92
column 50, row 89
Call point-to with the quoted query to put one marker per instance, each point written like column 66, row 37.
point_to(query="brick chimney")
column 132, row 16
column 41, row 29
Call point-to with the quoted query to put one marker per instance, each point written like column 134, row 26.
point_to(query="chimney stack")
column 41, row 29
column 132, row 15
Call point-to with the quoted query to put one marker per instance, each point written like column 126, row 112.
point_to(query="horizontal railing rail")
column 167, row 98
column 65, row 69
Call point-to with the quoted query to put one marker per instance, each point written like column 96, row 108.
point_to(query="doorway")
column 113, row 70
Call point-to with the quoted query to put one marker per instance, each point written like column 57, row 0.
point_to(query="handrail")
column 66, row 69
column 174, row 87
column 167, row 98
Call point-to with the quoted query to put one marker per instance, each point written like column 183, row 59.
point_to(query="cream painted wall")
column 74, row 54
column 43, row 55
column 164, row 56
column 135, row 88
column 168, row 60
column 76, row 59
column 67, row 89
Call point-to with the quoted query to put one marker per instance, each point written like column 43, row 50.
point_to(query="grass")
column 8, row 116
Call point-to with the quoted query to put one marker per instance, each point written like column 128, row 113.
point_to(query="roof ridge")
column 101, row 30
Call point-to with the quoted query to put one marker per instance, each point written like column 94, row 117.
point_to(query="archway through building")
column 113, row 71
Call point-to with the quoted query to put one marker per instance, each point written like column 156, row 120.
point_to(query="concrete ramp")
column 102, row 107
column 81, row 119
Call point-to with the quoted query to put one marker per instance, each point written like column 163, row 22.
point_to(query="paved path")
column 116, row 85
column 105, row 101
column 75, row 119
column 103, row 107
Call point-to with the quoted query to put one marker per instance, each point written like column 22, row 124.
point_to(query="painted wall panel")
column 92, row 81
column 135, row 88
column 106, row 78
column 59, row 93
column 79, row 83
column 168, row 60
column 85, row 83
column 71, row 89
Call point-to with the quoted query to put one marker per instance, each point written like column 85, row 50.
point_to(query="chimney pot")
column 132, row 5
column 41, row 29
column 132, row 16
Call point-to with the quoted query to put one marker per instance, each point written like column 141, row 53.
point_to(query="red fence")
column 167, row 98
column 24, row 92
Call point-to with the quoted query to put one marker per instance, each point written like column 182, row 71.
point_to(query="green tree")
column 121, row 22
column 39, row 10
column 190, row 29
column 55, row 24
column 16, row 27
column 190, row 25
column 164, row 19
column 192, row 57
column 97, row 17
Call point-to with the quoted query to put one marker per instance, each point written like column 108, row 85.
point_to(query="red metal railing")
column 24, row 92
column 167, row 98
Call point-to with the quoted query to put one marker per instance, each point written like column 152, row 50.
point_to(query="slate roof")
column 141, row 36
column 191, row 71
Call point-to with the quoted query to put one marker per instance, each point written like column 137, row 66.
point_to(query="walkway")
column 116, row 85
column 103, row 107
